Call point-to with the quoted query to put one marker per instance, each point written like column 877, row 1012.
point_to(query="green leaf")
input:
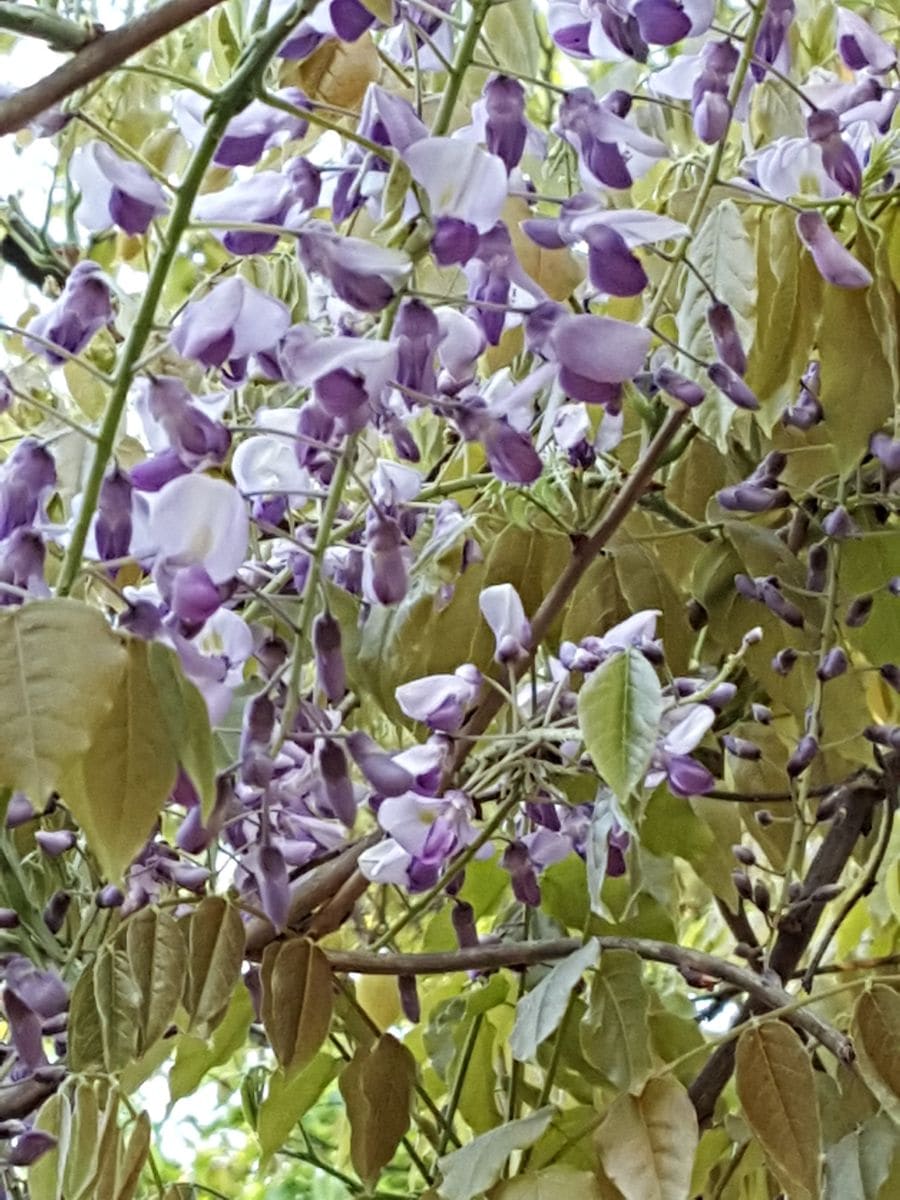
column 875, row 1030
column 157, row 954
column 377, row 1087
column 856, row 389
column 297, row 1000
column 615, row 1035
column 194, row 1056
column 540, row 1011
column 725, row 257
column 188, row 722
column 619, row 709
column 475, row 1167
column 46, row 1178
column 81, row 1160
column 60, row 664
column 556, row 1183
column 103, row 1015
column 287, row 1099
column 646, row 1143
column 215, row 953
column 776, row 1088
column 510, row 31
column 129, row 774
column 859, row 1163
column 128, row 1175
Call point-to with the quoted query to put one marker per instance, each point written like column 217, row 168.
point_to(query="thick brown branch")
column 766, row 993
column 96, row 58
column 795, row 932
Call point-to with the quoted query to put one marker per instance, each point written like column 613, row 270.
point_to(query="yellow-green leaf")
column 556, row 1183
column 157, row 954
column 540, row 1011
column 377, row 1086
column 194, row 1056
column 287, row 1099
column 215, row 953
column 615, row 1034
column 876, row 1036
column 187, row 719
column 297, row 1000
column 776, row 1088
column 126, row 779
column 646, row 1143
column 619, row 709
column 60, row 664
column 46, row 1177
column 478, row 1164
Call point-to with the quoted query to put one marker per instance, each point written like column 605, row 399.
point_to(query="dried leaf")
column 297, row 1000
column 647, row 1143
column 377, row 1086
column 215, row 954
column 875, row 1030
column 157, row 954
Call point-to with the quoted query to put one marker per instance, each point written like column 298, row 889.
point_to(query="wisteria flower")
column 683, row 729
column 115, row 191
column 441, row 701
column 84, row 308
column 362, row 274
column 198, row 521
column 264, row 199
column 501, row 607
column 266, row 463
column 834, row 261
column 611, row 151
column 466, row 188
column 249, row 133
column 860, row 46
column 231, row 322
column 26, row 480
column 594, row 355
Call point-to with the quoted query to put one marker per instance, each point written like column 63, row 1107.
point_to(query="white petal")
column 197, row 519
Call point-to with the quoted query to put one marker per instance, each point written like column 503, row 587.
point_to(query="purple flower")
column 522, row 876
column 596, row 355
column 115, row 191
column 611, row 152
column 462, row 181
column 726, row 338
column 55, row 842
column 431, row 830
column 384, row 773
column 338, row 789
column 28, row 1147
column 801, row 757
column 731, row 384
column 491, row 272
column 838, row 158
column 330, row 671
column 26, row 479
column 502, row 608
column 771, row 39
column 362, row 274
column 665, row 22
column 682, row 730
column 416, row 332
column 860, row 46
column 505, row 128
column 887, row 451
column 678, row 386
column 22, row 557
column 839, row 524
column 790, row 167
column 807, row 411
column 249, row 133
column 833, row 260
column 274, row 885
column 83, row 308
column 112, row 530
column 231, row 322
column 441, row 701
column 264, row 199
column 183, row 437
column 343, row 19
column 709, row 97
column 198, row 521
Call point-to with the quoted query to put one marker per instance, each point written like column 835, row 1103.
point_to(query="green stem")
column 712, row 167
column 459, row 1080
column 232, row 98
column 48, row 26
column 464, row 56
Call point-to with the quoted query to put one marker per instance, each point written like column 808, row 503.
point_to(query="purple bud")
column 387, row 777
column 742, row 748
column 194, row 597
column 462, row 915
column 409, row 998
column 686, row 777
column 726, row 338
column 887, row 451
column 84, row 307
column 274, row 885
column 784, row 660
column 893, row 585
column 883, row 735
column 805, row 751
column 6, row 392
column 761, row 713
column 746, row 587
column 838, row 158
column 891, row 675
column 384, row 563
column 839, row 524
column 9, row 918
column 770, row 468
column 662, row 22
column 112, row 531
column 55, row 842
column 19, row 811
column 732, row 386
column 505, row 128
column 336, row 781
column 256, row 735
column 679, row 387
column 55, row 911
column 833, row 260
column 858, row 611
column 454, row 242
column 817, row 567
column 510, row 452
column 26, row 478
column 833, row 663
column 778, row 604
column 330, row 673
column 522, row 876
column 750, row 497
column 110, row 896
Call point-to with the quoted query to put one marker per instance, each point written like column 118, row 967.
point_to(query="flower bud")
column 55, row 911
column 742, row 884
column 55, row 842
column 833, row 663
column 779, row 605
column 762, row 897
column 839, row 524
column 817, row 567
column 731, row 385
column 463, row 917
column 336, row 781
column 9, row 918
column 784, row 660
column 409, row 998
column 110, row 896
column 761, row 713
column 804, row 752
column 330, row 671
column 726, row 338
column 742, row 748
column 858, row 611
column 891, row 675
column 744, row 855
column 763, row 817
